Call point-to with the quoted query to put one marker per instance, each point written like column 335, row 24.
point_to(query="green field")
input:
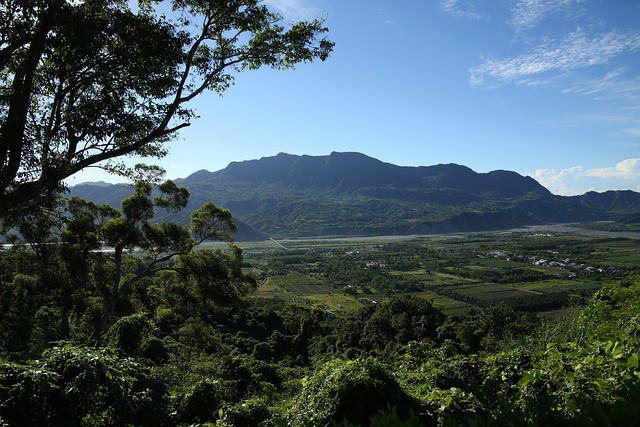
column 541, row 272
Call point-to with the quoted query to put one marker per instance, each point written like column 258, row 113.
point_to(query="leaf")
column 608, row 346
column 632, row 361
column 526, row 379
column 600, row 383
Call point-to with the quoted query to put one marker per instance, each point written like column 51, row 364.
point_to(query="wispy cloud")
column 295, row 9
column 578, row 180
column 576, row 51
column 633, row 132
column 527, row 14
column 461, row 9
column 616, row 85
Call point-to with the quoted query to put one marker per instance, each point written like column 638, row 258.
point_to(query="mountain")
column 353, row 194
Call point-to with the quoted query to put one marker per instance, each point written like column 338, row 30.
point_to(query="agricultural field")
column 530, row 271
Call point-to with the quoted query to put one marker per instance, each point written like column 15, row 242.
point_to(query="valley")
column 540, row 269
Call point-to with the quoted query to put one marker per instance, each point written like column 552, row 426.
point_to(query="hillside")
column 353, row 194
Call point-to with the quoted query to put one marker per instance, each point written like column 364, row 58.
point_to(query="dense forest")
column 189, row 341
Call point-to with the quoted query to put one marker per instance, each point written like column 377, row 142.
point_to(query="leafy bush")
column 199, row 335
column 128, row 333
column 80, row 386
column 250, row 413
column 352, row 390
column 154, row 349
column 387, row 418
column 201, row 402
column 29, row 395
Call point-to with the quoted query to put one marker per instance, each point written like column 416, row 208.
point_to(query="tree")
column 83, row 83
column 351, row 390
column 132, row 228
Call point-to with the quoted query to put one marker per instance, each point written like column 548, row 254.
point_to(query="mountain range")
column 349, row 194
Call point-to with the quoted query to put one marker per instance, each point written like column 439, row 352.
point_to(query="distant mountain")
column 353, row 194
column 610, row 201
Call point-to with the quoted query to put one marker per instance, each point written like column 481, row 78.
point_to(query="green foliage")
column 198, row 334
column 347, row 389
column 176, row 356
column 614, row 309
column 29, row 395
column 250, row 412
column 400, row 320
column 128, row 333
column 79, row 386
column 201, row 402
column 440, row 379
column 212, row 223
column 45, row 329
column 216, row 275
column 386, row 418
column 379, row 329
column 486, row 329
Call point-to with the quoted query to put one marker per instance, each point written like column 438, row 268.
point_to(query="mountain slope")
column 353, row 194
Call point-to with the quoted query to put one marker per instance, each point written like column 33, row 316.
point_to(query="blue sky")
column 546, row 88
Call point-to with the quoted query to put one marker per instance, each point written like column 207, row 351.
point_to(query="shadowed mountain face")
column 345, row 172
column 353, row 194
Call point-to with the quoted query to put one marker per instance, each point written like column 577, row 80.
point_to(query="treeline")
column 180, row 350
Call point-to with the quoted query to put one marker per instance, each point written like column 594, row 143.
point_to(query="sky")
column 545, row 88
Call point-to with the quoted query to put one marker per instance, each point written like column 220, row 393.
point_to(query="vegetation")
column 112, row 316
column 394, row 335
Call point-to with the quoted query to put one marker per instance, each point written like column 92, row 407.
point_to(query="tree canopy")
column 83, row 83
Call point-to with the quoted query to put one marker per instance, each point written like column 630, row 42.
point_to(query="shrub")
column 80, row 386
column 250, row 413
column 128, row 333
column 352, row 390
column 201, row 402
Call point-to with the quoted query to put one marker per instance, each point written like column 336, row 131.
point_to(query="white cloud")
column 295, row 9
column 527, row 14
column 578, row 180
column 461, row 9
column 576, row 51
column 628, row 169
column 556, row 181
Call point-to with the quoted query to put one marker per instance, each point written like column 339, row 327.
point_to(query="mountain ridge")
column 353, row 194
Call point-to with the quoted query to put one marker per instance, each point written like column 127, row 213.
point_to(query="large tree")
column 83, row 83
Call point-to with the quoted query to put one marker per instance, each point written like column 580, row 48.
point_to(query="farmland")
column 539, row 271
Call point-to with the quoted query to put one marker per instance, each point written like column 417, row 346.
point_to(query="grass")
column 490, row 291
column 293, row 279
column 338, row 303
column 561, row 285
column 500, row 263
